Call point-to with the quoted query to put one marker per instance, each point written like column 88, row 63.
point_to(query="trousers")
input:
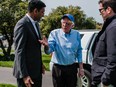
column 64, row 76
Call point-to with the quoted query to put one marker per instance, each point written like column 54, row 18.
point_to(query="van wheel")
column 84, row 81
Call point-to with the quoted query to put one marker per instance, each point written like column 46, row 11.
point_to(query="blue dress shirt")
column 66, row 48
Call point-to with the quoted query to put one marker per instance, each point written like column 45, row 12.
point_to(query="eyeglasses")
column 67, row 23
column 100, row 10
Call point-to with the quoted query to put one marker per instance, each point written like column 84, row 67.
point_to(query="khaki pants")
column 101, row 85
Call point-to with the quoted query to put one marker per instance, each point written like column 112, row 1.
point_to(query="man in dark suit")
column 104, row 49
column 28, row 67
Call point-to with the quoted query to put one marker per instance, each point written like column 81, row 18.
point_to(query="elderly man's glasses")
column 67, row 23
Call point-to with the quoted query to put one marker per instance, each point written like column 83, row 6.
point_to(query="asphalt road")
column 6, row 77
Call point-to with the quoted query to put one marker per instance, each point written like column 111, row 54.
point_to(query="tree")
column 89, row 23
column 11, row 11
column 52, row 21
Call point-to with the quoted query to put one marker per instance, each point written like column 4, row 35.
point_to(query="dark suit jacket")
column 28, row 61
column 104, row 62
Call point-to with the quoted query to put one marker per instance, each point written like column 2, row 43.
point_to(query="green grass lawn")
column 6, row 63
column 45, row 58
column 7, row 85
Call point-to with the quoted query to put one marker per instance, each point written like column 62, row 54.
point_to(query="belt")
column 71, row 65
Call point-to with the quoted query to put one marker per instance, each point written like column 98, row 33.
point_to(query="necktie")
column 38, row 30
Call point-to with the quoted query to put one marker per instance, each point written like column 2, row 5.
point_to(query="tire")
column 84, row 81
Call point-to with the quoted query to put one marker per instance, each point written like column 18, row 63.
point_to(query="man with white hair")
column 66, row 45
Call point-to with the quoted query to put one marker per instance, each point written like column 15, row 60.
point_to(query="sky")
column 90, row 7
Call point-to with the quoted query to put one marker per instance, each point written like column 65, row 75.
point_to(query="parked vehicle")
column 87, row 39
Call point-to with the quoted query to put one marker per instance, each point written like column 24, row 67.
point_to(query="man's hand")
column 81, row 72
column 28, row 81
column 44, row 41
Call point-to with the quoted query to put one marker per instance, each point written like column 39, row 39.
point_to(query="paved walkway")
column 6, row 77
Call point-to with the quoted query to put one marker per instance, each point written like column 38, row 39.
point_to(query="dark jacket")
column 28, row 61
column 104, row 49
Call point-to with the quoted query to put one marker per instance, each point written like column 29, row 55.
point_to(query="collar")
column 65, row 34
column 109, row 19
column 105, row 25
column 30, row 18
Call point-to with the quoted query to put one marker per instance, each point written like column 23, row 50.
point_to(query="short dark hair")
column 100, row 1
column 35, row 4
column 109, row 3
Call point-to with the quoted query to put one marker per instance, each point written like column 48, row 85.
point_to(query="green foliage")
column 99, row 26
column 7, row 85
column 10, row 12
column 52, row 21
column 89, row 23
